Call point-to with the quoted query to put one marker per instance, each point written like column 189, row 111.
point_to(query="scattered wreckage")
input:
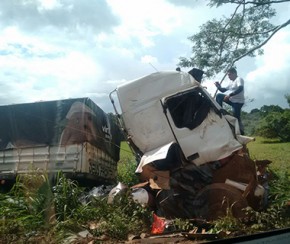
column 193, row 160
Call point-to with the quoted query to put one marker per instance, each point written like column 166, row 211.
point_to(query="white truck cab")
column 168, row 108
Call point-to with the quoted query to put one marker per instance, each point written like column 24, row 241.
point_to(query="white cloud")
column 54, row 49
column 65, row 15
column 149, row 59
column 271, row 77
column 48, row 4
column 143, row 20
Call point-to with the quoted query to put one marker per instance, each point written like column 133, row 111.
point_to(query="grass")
column 278, row 153
column 34, row 209
column 127, row 166
column 126, row 152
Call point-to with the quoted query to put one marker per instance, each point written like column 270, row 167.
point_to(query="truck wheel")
column 218, row 200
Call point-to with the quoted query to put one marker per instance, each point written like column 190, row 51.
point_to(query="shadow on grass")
column 271, row 141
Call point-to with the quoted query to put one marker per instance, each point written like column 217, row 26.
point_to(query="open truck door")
column 203, row 133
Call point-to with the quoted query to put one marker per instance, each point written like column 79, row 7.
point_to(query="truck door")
column 202, row 132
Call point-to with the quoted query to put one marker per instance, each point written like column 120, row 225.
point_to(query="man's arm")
column 237, row 91
column 218, row 86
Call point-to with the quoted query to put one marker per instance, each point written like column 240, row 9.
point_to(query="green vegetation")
column 127, row 166
column 275, row 125
column 36, row 212
column 287, row 96
column 271, row 149
column 220, row 43
column 271, row 122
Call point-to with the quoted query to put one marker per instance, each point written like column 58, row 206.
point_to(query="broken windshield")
column 188, row 109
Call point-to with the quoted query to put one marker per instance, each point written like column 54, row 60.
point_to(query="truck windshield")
column 188, row 109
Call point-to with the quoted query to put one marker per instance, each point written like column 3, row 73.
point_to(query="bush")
column 275, row 125
column 126, row 172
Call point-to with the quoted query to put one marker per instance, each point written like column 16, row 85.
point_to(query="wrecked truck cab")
column 188, row 148
column 170, row 107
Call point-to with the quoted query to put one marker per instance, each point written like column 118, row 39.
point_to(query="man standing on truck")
column 234, row 96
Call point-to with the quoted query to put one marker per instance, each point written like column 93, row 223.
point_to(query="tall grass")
column 36, row 211
column 127, row 166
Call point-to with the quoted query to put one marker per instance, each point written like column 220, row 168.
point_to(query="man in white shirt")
column 234, row 95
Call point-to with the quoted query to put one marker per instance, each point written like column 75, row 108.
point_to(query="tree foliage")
column 287, row 96
column 276, row 125
column 266, row 109
column 222, row 42
column 270, row 121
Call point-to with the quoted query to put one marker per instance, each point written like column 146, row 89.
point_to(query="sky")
column 59, row 49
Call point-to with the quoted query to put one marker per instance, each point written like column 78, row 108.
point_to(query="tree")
column 221, row 43
column 254, row 111
column 266, row 109
column 275, row 125
column 287, row 96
